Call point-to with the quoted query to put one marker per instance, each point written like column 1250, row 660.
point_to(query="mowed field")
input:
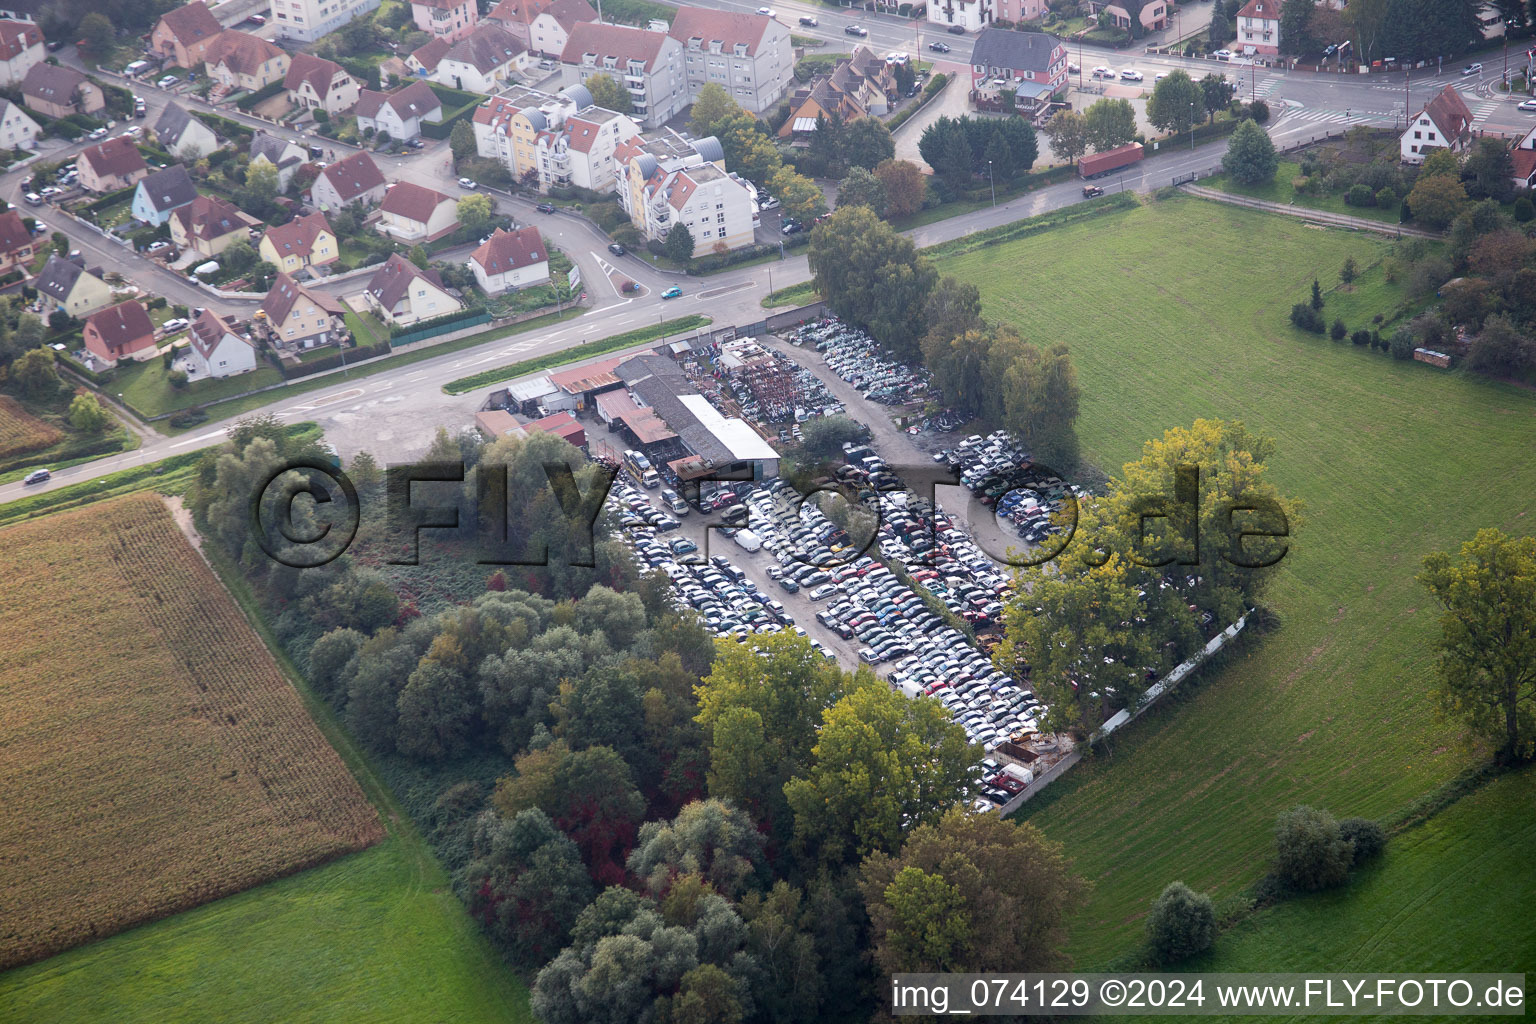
column 153, row 756
column 1177, row 311
column 21, row 432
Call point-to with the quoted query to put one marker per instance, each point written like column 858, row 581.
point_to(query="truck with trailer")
column 1096, row 165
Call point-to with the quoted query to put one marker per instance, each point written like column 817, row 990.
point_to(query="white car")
column 1131, row 76
column 1159, row 76
column 463, row 183
column 1103, row 72
column 1222, row 54
column 769, row 203
column 1471, row 69
column 1527, row 105
column 768, row 12
column 97, row 133
column 177, row 324
column 168, row 81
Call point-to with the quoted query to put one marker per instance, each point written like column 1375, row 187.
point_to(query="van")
column 747, row 540
column 33, row 199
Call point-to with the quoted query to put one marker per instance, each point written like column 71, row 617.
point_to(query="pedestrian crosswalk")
column 1483, row 108
column 1349, row 117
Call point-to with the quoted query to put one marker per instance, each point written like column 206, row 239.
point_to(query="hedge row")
column 331, row 361
column 571, row 355
column 266, row 92
column 717, row 261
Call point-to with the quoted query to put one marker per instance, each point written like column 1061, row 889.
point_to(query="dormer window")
column 741, row 49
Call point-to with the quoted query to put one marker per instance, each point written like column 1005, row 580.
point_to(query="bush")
column 1361, row 337
column 1310, row 851
column 190, row 418
column 1360, row 195
column 1305, row 318
column 1338, row 331
column 1259, row 111
column 1402, row 343
column 1182, row 923
column 1367, row 836
column 1524, row 211
column 177, row 378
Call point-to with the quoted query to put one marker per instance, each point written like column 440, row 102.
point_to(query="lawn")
column 115, row 628
column 1175, row 311
column 1279, row 190
column 1454, row 894
column 145, row 387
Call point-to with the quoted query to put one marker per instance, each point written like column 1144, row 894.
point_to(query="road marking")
column 417, row 376
column 340, row 396
column 199, row 438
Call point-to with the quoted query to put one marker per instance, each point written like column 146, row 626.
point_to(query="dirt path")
column 183, row 517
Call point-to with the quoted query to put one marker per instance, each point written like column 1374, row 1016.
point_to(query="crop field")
column 1177, row 311
column 21, row 432
column 153, row 755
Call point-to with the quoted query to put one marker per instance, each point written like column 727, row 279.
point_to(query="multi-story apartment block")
column 649, row 65
column 446, row 19
column 308, row 20
column 581, row 150
column 748, row 55
column 667, row 180
column 542, row 26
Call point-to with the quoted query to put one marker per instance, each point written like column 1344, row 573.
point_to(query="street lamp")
column 1191, row 126
column 993, row 182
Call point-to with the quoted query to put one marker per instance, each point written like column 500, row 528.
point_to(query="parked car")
column 1074, row 69
column 257, row 19
column 1222, row 54
column 939, row 46
column 790, row 226
column 37, row 476
column 33, row 199
column 896, row 57
column 176, row 324
column 808, row 21
column 463, row 183
column 168, row 81
column 957, row 30
column 768, row 203
column 97, row 133
column 1090, row 191
column 617, row 249
column 672, row 293
column 545, row 207
column 855, row 30
column 1471, row 69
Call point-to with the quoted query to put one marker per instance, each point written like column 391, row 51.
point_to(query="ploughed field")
column 153, row 755
column 1176, row 311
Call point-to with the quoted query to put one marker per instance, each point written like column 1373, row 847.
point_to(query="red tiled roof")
column 430, row 53
column 286, row 292
column 1450, row 114
column 616, row 41
column 411, row 201
column 726, row 27
column 123, row 328
column 1525, row 163
column 317, row 71
column 241, row 52
column 207, row 331
column 17, row 37
column 580, row 134
column 209, row 217
column 566, row 12
column 297, row 237
column 1269, row 10
column 191, row 23
column 394, row 278
column 13, row 233
column 353, row 176
column 114, row 158
column 511, row 250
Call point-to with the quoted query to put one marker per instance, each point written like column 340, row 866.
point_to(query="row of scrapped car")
column 803, row 395
column 998, row 471
column 855, row 357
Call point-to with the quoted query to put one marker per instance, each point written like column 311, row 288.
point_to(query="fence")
column 463, row 323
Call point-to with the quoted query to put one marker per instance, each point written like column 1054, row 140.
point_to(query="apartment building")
column 749, row 55
column 308, row 20
column 649, row 65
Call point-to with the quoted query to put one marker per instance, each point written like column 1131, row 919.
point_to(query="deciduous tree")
column 799, row 194
column 1250, row 155
column 609, row 94
column 862, row 188
column 1067, row 132
column 1109, row 123
column 708, row 838
column 475, row 210
column 867, row 143
column 1181, row 924
column 86, row 414
column 1310, row 852
column 873, row 277
column 1436, row 199
column 1176, row 103
column 905, row 187
column 712, row 105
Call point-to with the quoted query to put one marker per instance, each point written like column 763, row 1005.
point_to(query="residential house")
column 411, row 213
column 182, row 36
column 17, row 130
column 23, row 10
column 1444, row 123
column 315, row 83
column 542, row 26
column 1016, row 11
column 510, row 259
column 971, row 15
column 859, row 85
column 66, row 284
column 482, row 62
column 1523, row 157
column 162, row 193
column 750, row 55
column 581, row 149
column 306, row 241
column 446, row 19
column 402, row 293
column 57, row 91
column 1031, row 65
column 183, row 136
column 286, row 156
column 21, row 48
column 1258, row 27
column 507, row 126
column 1153, row 14
column 298, row 318
column 424, row 60
column 355, row 179
column 308, row 20
column 111, row 165
column 215, row 350
column 715, row 206
column 208, row 225
column 649, row 65
column 239, row 61
column 123, row 331
column 399, row 114
column 15, row 241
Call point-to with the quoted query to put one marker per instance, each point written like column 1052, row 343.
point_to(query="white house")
column 184, row 136
column 1258, row 27
column 286, row 156
column 716, row 207
column 510, row 259
column 16, row 128
column 316, row 83
column 542, row 26
column 411, row 213
column 402, row 293
column 354, row 180
column 21, row 46
column 482, row 61
column 308, row 20
column 1444, row 123
column 216, row 350
column 398, row 113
